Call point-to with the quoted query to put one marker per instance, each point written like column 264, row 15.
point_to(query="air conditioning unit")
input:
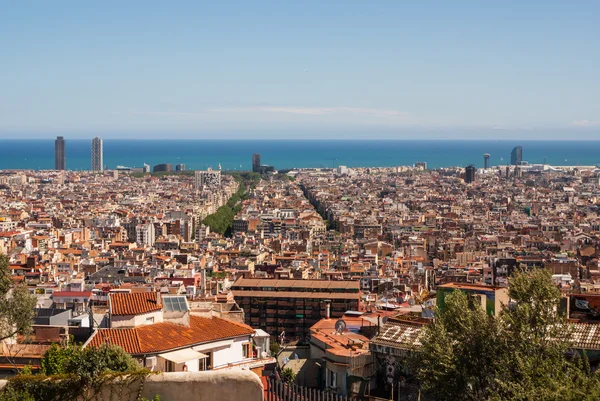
column 150, row 362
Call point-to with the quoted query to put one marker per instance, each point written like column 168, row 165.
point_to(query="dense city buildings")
column 97, row 155
column 343, row 266
column 60, row 156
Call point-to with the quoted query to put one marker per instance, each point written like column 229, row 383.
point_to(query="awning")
column 183, row 355
column 211, row 348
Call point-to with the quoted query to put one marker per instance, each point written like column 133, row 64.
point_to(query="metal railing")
column 277, row 390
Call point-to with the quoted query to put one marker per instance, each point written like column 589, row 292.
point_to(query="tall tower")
column 60, row 158
column 256, row 162
column 486, row 161
column 470, row 174
column 516, row 156
column 97, row 155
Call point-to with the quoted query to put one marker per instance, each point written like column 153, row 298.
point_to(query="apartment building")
column 293, row 306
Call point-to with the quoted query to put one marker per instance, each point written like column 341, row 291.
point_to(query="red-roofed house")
column 179, row 341
column 134, row 309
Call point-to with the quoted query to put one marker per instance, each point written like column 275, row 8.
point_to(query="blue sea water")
column 284, row 154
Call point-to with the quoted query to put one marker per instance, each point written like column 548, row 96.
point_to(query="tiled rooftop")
column 165, row 336
column 134, row 303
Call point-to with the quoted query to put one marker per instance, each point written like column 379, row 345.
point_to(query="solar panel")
column 175, row 303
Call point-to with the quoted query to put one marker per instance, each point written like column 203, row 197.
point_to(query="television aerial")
column 340, row 326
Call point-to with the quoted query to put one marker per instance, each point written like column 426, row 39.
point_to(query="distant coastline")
column 286, row 153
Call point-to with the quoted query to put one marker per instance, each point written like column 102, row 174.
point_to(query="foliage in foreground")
column 72, row 372
column 524, row 354
column 86, row 362
column 17, row 305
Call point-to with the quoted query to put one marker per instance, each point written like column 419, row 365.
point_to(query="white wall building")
column 145, row 234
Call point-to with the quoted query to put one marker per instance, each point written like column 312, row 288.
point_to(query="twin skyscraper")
column 60, row 155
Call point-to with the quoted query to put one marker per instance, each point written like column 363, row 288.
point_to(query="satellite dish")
column 264, row 354
column 411, row 302
column 340, row 326
column 384, row 320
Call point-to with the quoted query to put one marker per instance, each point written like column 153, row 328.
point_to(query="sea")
column 288, row 154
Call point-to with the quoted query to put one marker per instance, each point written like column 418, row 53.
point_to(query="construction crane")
column 333, row 160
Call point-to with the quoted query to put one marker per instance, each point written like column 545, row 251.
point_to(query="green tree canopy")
column 16, row 304
column 523, row 354
column 86, row 362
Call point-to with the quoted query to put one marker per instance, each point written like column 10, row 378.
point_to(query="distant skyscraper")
column 256, row 162
column 180, row 167
column 470, row 174
column 516, row 156
column 166, row 167
column 486, row 161
column 97, row 157
column 60, row 158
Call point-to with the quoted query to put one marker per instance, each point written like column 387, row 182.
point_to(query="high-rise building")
column 145, row 234
column 516, row 156
column 60, row 157
column 204, row 179
column 470, row 174
column 486, row 161
column 97, row 156
column 256, row 162
column 165, row 167
column 180, row 167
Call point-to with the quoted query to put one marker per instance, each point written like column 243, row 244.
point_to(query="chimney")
column 203, row 282
column 327, row 309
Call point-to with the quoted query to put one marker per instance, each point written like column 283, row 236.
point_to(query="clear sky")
column 300, row 69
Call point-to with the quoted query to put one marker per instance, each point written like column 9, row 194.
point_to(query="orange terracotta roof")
column 124, row 338
column 160, row 337
column 133, row 304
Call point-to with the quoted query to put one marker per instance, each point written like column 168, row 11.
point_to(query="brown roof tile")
column 160, row 337
column 134, row 304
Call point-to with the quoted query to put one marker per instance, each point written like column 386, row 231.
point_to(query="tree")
column 16, row 304
column 288, row 375
column 274, row 348
column 87, row 362
column 458, row 352
column 538, row 362
column 523, row 354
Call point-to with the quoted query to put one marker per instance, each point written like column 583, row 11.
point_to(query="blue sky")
column 335, row 69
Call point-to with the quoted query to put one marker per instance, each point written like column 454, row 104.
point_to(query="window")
column 208, row 361
column 247, row 350
column 330, row 378
column 150, row 320
column 169, row 366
